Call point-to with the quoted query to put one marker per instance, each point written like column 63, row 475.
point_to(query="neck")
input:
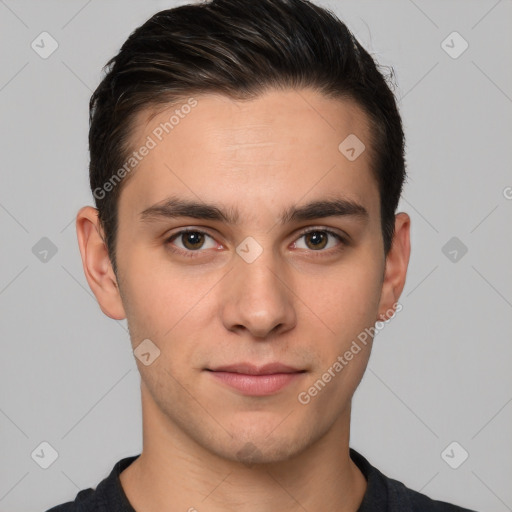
column 175, row 473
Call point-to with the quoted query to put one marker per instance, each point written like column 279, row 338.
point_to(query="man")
column 247, row 159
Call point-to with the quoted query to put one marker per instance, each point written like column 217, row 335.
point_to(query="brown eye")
column 318, row 239
column 190, row 242
column 192, row 239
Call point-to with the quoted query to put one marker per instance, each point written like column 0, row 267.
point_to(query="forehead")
column 275, row 149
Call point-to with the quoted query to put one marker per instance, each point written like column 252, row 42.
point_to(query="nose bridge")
column 258, row 268
column 259, row 275
column 256, row 296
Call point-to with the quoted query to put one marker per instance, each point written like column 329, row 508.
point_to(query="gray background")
column 439, row 372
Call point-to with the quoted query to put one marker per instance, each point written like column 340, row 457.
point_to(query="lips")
column 250, row 369
column 247, row 379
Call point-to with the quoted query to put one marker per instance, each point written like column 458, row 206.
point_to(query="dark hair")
column 239, row 48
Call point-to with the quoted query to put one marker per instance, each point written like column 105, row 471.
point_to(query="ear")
column 96, row 262
column 397, row 262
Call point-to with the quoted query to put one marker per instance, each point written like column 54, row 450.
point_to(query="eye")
column 191, row 240
column 317, row 239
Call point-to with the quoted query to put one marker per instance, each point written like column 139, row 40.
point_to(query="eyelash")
column 197, row 253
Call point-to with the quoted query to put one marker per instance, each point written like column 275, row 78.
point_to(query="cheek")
column 153, row 305
column 156, row 307
column 170, row 309
column 345, row 299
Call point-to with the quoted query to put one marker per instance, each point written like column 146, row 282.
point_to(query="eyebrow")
column 174, row 207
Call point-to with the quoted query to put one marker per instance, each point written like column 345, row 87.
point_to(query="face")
column 265, row 273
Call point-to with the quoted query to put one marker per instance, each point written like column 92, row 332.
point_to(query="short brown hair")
column 240, row 48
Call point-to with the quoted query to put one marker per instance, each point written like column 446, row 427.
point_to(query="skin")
column 205, row 445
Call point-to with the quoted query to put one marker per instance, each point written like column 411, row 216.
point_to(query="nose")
column 257, row 297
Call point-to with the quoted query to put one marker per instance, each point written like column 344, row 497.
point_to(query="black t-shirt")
column 382, row 494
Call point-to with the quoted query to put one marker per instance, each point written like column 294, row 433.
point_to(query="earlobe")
column 96, row 263
column 397, row 262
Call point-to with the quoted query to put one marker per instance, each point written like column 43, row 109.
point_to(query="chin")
column 262, row 448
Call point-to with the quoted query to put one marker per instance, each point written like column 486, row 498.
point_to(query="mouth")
column 256, row 380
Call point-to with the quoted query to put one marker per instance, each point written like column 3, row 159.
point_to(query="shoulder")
column 384, row 494
column 404, row 498
column 106, row 497
column 84, row 501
